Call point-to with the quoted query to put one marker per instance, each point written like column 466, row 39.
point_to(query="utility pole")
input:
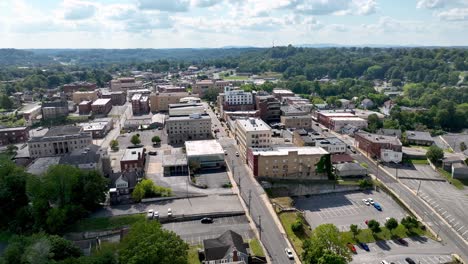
column 260, row 226
column 418, row 188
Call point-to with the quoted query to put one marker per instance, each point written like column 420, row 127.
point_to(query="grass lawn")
column 285, row 202
column 106, row 223
column 366, row 235
column 256, row 248
column 419, row 161
column 287, row 219
column 459, row 184
column 235, row 77
column 348, row 182
column 193, row 255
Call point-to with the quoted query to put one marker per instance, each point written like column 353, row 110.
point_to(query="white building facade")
column 252, row 132
column 237, row 97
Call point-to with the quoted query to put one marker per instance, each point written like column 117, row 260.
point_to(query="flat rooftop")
column 284, row 151
column 335, row 114
column 282, row 91
column 40, row 165
column 203, row 147
column 102, row 101
column 189, row 117
column 353, row 118
column 253, row 124
column 12, row 129
column 379, row 138
column 132, row 154
column 62, row 131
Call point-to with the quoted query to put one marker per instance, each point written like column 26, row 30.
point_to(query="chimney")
column 235, row 257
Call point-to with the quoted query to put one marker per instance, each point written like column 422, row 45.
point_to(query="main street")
column 251, row 192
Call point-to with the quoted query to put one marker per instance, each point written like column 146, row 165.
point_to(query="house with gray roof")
column 350, row 169
column 419, row 138
column 228, row 248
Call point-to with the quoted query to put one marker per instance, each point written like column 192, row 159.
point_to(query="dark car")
column 377, row 206
column 364, row 246
column 410, row 261
column 402, row 241
column 207, row 220
column 152, row 153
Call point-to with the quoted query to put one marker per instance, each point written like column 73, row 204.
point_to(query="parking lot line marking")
column 444, row 212
column 460, row 228
column 464, row 232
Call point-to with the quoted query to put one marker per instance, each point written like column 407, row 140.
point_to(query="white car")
column 289, row 253
column 150, row 214
column 156, row 215
column 169, row 212
column 370, row 200
column 365, row 201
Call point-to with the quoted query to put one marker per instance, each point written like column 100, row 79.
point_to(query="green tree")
column 325, row 239
column 365, row 184
column 298, row 226
column 11, row 149
column 463, row 146
column 211, row 94
column 374, row 226
column 92, row 187
column 148, row 243
column 114, row 144
column 409, row 222
column 355, row 230
column 156, row 139
column 147, row 189
column 391, row 224
column 135, row 140
column 435, row 154
column 5, row 102
column 374, row 123
column 331, row 258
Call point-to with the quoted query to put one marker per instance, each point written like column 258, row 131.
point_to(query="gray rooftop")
column 379, row 138
column 90, row 154
column 418, row 135
column 62, row 131
column 40, row 165
column 174, row 159
column 132, row 154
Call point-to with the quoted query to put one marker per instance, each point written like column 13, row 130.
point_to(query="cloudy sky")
column 218, row 23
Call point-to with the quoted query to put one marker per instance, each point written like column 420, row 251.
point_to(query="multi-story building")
column 161, row 101
column 124, row 84
column 59, row 141
column 186, row 109
column 302, row 138
column 282, row 93
column 140, row 104
column 101, row 107
column 84, row 108
column 269, row 107
column 54, row 109
column 337, row 123
column 92, row 157
column 202, row 86
column 304, row 121
column 81, row 96
column 324, row 117
column 117, row 97
column 30, row 112
column 252, row 133
column 192, row 127
column 70, row 88
column 13, row 135
column 236, row 100
column 385, row 148
column 332, row 145
column 169, row 88
column 288, row 163
column 133, row 160
column 98, row 127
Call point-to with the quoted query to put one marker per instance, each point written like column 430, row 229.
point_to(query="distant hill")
column 14, row 57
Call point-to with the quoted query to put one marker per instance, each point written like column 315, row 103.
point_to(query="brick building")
column 101, row 107
column 70, row 88
column 385, row 148
column 117, row 97
column 13, row 135
column 269, row 107
column 84, row 108
column 133, row 160
column 140, row 104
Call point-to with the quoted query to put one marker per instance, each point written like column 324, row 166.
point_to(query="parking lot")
column 417, row 171
column 194, row 232
column 214, row 178
column 344, row 209
column 421, row 250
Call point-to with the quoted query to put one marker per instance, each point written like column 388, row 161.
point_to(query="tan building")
column 201, row 87
column 124, row 84
column 79, row 97
column 161, row 101
column 288, row 163
column 101, row 107
column 192, row 127
column 252, row 133
column 59, row 141
column 304, row 121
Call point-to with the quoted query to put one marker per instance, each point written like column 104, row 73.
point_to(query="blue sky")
column 218, row 23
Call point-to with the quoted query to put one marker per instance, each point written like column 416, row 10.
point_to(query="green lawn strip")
column 256, row 248
column 235, row 77
column 193, row 255
column 106, row 223
column 419, row 161
column 287, row 219
column 366, row 236
column 348, row 182
column 455, row 182
column 285, row 202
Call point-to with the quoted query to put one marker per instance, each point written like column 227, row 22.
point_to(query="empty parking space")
column 344, row 209
column 420, row 250
column 194, row 232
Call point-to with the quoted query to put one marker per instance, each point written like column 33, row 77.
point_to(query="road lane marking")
column 464, row 232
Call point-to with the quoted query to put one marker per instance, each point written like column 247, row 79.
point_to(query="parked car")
column 410, row 261
column 377, row 206
column 364, row 246
column 402, row 241
column 365, row 201
column 152, row 153
column 237, row 154
column 150, row 214
column 367, row 222
column 156, row 215
column 206, row 220
column 351, row 247
column 384, row 262
column 225, row 152
column 289, row 253
column 371, row 201
column 169, row 212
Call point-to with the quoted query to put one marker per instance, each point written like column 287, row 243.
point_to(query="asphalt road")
column 432, row 219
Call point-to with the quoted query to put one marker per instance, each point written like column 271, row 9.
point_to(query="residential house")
column 228, row 248
column 419, row 138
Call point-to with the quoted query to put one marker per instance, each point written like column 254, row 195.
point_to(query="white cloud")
column 206, row 3
column 431, row 4
column 77, row 10
column 365, row 7
column 165, row 5
column 454, row 14
column 390, row 25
